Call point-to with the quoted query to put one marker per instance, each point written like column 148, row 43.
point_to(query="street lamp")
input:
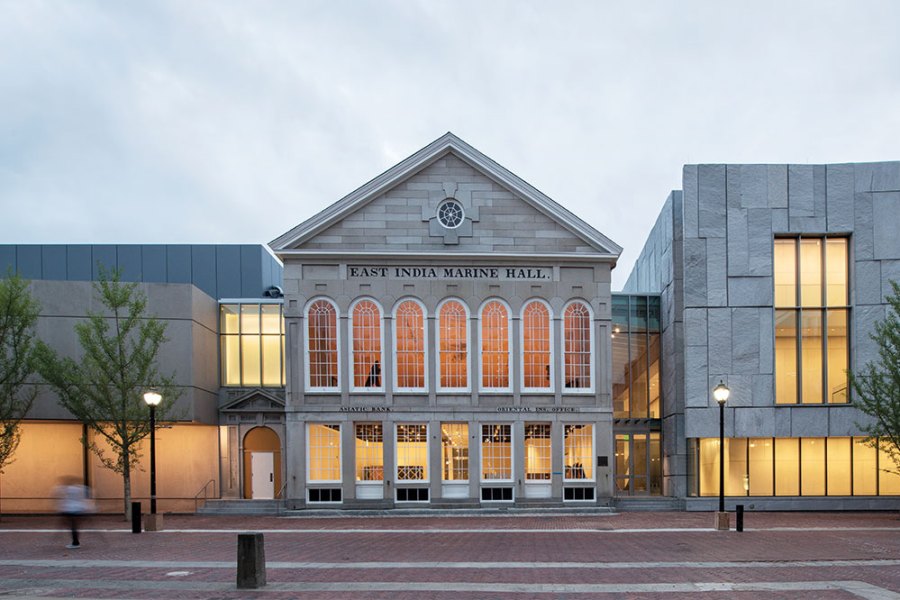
column 721, row 393
column 152, row 398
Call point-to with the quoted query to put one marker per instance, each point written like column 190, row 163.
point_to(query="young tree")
column 18, row 314
column 877, row 385
column 119, row 363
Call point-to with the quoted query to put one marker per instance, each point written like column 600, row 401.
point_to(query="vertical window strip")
column 324, row 452
column 412, row 452
column 366, row 330
column 579, row 451
column 409, row 346
column 537, row 452
column 536, row 355
column 454, row 344
column 455, row 451
column 369, row 452
column 494, row 346
column 496, row 452
column 322, row 345
column 577, row 346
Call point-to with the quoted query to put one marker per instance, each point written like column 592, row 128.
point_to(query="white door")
column 262, row 467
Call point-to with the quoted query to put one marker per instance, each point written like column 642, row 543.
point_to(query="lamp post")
column 721, row 393
column 152, row 398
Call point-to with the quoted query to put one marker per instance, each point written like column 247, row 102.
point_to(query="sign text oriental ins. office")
column 484, row 273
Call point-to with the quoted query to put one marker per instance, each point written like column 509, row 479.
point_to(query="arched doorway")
column 262, row 464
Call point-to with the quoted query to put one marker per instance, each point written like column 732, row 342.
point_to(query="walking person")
column 74, row 501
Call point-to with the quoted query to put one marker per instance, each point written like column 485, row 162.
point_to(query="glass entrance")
column 638, row 467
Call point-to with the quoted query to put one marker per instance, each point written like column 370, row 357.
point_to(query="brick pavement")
column 632, row 555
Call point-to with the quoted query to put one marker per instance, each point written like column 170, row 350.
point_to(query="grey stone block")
column 694, row 272
column 809, row 421
column 704, row 422
column 754, row 422
column 864, row 319
column 819, row 192
column 691, row 210
column 763, row 390
column 886, row 218
column 750, row 291
column 741, row 387
column 759, row 242
column 782, row 421
column 738, row 242
column 695, row 376
column 754, row 186
column 777, row 185
column 814, row 225
column 800, row 191
column 716, row 272
column 766, row 341
column 695, row 327
column 780, row 221
column 839, row 209
column 877, row 177
column 719, row 341
column 846, row 421
column 711, row 200
column 890, row 271
column 745, row 340
column 868, row 281
column 863, row 231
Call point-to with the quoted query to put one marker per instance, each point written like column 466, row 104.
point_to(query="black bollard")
column 251, row 561
column 135, row 517
column 740, row 517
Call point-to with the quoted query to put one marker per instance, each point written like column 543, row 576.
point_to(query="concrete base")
column 153, row 522
column 723, row 521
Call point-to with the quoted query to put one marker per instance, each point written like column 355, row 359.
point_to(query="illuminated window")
column 811, row 316
column 578, row 452
column 537, row 371
column 412, row 452
column 322, row 346
column 252, row 344
column 324, row 452
column 496, row 452
column 537, row 452
column 453, row 334
column 495, row 346
column 577, row 344
column 366, row 345
column 455, row 451
column 409, row 346
column 369, row 452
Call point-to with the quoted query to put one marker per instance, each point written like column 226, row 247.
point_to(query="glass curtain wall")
column 635, row 342
column 252, row 345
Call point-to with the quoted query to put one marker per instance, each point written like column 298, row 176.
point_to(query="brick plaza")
column 541, row 556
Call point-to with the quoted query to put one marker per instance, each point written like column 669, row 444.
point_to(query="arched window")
column 322, row 346
column 577, row 345
column 494, row 346
column 409, row 346
column 453, row 333
column 537, row 370
column 366, row 346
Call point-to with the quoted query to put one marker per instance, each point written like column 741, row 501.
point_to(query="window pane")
column 864, row 468
column 231, row 359
column 537, row 452
column 494, row 346
column 811, row 272
column 366, row 345
column 785, row 357
column 812, row 466
column 838, row 466
column 250, row 363
column 639, row 463
column 369, row 452
column 787, row 467
column 811, row 356
column 653, row 353
column 496, row 452
column 454, row 334
column 412, row 452
column 577, row 346
column 324, row 452
column 785, row 273
column 249, row 318
column 323, row 348
column 621, row 378
column 655, row 464
column 760, row 469
column 736, row 482
column 638, row 368
column 536, row 346
column 455, row 451
column 271, row 318
column 409, row 344
column 836, row 272
column 228, row 322
column 272, row 369
column 623, row 464
column 579, row 452
column 709, row 467
column 837, row 356
column 888, row 482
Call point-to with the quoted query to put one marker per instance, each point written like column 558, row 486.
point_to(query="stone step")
column 646, row 503
column 241, row 507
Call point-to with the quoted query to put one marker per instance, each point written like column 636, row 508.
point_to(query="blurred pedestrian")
column 74, row 501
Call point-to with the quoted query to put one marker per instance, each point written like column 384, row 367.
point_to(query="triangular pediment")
column 254, row 401
column 399, row 211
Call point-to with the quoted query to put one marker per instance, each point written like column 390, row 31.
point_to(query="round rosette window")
column 450, row 214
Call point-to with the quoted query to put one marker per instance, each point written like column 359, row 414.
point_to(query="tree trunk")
column 126, row 481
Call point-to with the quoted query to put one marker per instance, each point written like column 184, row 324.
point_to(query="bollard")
column 740, row 517
column 251, row 561
column 135, row 517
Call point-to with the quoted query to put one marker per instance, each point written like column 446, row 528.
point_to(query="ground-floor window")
column 496, row 452
column 412, row 452
column 834, row 466
column 537, row 452
column 455, row 451
column 324, row 452
column 578, row 454
column 369, row 452
column 638, row 464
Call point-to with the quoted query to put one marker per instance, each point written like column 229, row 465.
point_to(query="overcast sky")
column 231, row 122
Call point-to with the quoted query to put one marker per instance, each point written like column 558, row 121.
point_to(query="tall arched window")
column 537, row 370
column 494, row 346
column 453, row 332
column 322, row 346
column 409, row 346
column 366, row 346
column 577, row 346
